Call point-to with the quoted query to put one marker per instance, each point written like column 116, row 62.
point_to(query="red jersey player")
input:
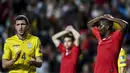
column 69, row 49
column 109, row 42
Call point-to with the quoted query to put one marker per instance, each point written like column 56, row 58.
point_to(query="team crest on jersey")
column 121, row 57
column 16, row 47
column 29, row 45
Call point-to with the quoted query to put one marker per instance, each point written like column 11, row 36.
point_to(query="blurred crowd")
column 48, row 17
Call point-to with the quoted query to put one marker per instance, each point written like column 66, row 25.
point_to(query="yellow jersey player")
column 122, row 61
column 22, row 51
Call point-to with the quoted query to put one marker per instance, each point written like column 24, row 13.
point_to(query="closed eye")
column 17, row 24
column 23, row 24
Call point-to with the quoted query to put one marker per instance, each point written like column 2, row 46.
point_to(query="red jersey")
column 69, row 59
column 107, row 52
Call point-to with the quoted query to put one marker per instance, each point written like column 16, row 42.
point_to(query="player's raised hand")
column 32, row 61
column 69, row 28
column 125, row 21
column 111, row 18
column 108, row 16
column 17, row 55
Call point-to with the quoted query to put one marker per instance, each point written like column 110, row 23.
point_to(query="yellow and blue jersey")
column 121, row 59
column 30, row 48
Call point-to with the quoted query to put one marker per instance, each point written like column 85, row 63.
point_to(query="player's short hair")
column 69, row 35
column 22, row 17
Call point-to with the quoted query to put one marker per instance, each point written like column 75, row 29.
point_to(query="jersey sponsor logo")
column 29, row 45
column 16, row 47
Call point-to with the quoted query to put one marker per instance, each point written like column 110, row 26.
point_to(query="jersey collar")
column 19, row 39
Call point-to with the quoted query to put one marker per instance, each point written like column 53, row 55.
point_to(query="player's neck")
column 22, row 37
column 108, row 33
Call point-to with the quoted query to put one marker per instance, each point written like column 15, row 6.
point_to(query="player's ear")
column 14, row 26
column 28, row 26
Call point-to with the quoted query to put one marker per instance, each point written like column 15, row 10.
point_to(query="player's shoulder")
column 117, row 32
column 122, row 51
column 75, row 47
column 33, row 37
column 12, row 38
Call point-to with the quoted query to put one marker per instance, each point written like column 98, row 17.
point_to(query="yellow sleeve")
column 116, row 26
column 38, row 48
column 7, row 52
column 122, row 58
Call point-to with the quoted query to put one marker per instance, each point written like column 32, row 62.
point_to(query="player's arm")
column 36, row 62
column 7, row 63
column 58, row 35
column 123, row 69
column 75, row 34
column 91, row 23
column 123, row 24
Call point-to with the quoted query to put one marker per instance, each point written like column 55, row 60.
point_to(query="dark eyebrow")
column 21, row 24
column 17, row 24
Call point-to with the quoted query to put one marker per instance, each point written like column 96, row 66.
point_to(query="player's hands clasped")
column 17, row 55
column 108, row 17
column 69, row 28
column 32, row 61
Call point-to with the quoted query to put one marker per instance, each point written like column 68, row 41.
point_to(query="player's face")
column 68, row 42
column 20, row 27
column 103, row 26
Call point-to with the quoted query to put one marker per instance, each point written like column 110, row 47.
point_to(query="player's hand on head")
column 101, row 16
column 125, row 21
column 108, row 17
column 69, row 28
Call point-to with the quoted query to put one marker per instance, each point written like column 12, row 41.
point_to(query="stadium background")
column 48, row 17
